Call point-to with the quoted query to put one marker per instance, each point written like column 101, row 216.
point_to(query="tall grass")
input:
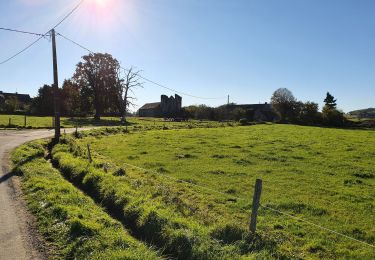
column 74, row 226
column 154, row 220
column 322, row 175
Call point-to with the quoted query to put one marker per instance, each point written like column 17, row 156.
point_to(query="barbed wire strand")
column 316, row 225
column 266, row 207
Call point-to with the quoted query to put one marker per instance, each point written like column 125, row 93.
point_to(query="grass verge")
column 72, row 224
column 152, row 219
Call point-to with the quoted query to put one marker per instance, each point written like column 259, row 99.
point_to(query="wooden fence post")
column 10, row 121
column 24, row 122
column 256, row 200
column 89, row 153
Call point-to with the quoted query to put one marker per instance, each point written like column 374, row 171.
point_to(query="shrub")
column 333, row 117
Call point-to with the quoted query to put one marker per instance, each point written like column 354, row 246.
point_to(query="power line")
column 41, row 35
column 69, row 14
column 173, row 90
column 19, row 31
column 142, row 77
column 76, row 43
column 21, row 51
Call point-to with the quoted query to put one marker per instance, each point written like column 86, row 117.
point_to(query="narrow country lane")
column 17, row 238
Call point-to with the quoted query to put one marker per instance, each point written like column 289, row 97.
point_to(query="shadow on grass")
column 89, row 121
column 15, row 171
column 9, row 175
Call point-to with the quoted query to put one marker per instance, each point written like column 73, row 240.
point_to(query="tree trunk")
column 125, row 105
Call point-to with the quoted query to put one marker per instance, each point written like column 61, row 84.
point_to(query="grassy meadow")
column 18, row 121
column 323, row 175
column 46, row 121
column 183, row 190
column 74, row 226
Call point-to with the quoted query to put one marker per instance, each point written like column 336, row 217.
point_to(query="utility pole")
column 56, row 102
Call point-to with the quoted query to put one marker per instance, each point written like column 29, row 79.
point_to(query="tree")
column 124, row 86
column 330, row 101
column 11, row 105
column 284, row 103
column 200, row 112
column 43, row 103
column 332, row 116
column 310, row 113
column 70, row 99
column 97, row 76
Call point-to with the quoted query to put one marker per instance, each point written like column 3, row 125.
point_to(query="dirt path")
column 18, row 238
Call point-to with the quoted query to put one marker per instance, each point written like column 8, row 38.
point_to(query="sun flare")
column 107, row 15
column 101, row 2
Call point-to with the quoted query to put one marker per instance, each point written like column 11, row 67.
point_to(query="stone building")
column 168, row 107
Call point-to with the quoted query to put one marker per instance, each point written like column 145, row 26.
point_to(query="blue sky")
column 209, row 48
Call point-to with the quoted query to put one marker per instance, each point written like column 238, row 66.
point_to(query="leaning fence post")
column 256, row 200
column 89, row 153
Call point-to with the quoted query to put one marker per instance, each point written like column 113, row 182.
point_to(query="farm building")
column 167, row 107
column 21, row 98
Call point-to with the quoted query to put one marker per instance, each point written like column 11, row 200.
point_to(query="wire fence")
column 261, row 205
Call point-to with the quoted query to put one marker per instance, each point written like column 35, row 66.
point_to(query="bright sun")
column 101, row 2
column 103, row 7
column 107, row 15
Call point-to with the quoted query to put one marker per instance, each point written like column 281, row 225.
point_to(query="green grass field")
column 46, row 122
column 185, row 190
column 74, row 226
column 322, row 175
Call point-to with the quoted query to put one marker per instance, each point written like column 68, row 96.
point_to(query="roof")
column 151, row 105
column 25, row 98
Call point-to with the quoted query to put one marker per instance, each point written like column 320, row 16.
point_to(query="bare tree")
column 125, row 88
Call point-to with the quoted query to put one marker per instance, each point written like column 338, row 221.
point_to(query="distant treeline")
column 363, row 113
column 101, row 87
column 286, row 109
